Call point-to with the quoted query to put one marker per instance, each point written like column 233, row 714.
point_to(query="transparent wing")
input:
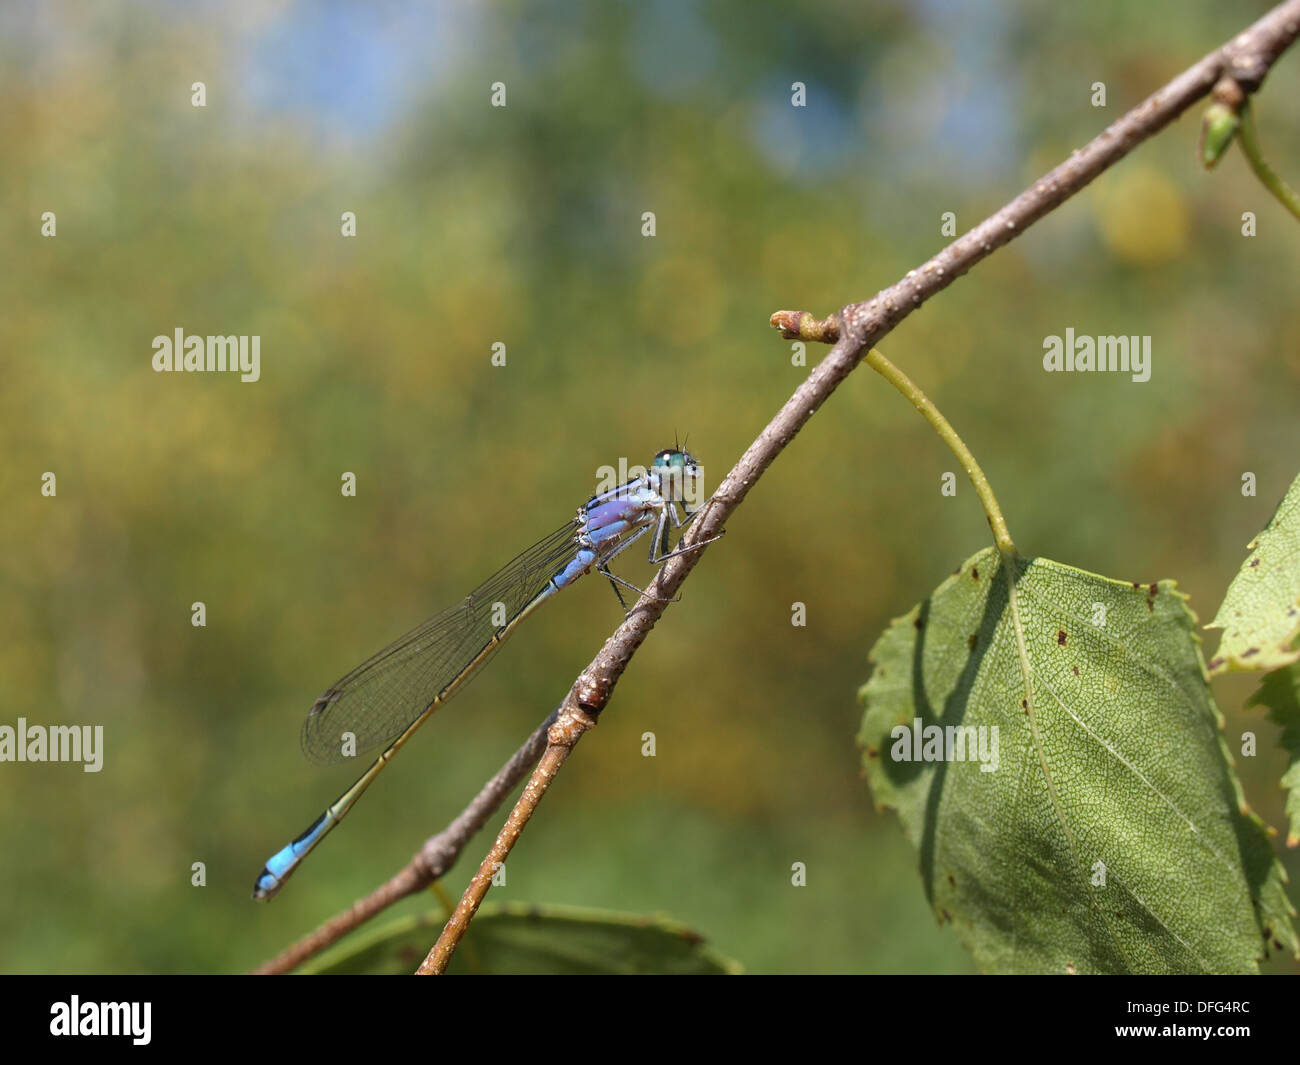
column 379, row 699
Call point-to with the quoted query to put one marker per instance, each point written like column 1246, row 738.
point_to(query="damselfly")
column 386, row 698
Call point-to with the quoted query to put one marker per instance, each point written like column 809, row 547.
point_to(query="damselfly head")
column 680, row 477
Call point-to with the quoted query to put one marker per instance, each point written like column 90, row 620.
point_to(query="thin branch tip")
column 800, row 325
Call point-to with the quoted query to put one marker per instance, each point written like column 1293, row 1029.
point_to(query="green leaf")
column 1260, row 615
column 522, row 938
column 1280, row 692
column 1109, row 760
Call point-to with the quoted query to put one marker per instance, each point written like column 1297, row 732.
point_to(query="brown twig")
column 800, row 325
column 561, row 739
column 1247, row 58
column 863, row 324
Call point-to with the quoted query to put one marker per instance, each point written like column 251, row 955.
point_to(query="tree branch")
column 1247, row 58
column 562, row 737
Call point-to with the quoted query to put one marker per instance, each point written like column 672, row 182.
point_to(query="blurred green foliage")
column 523, row 225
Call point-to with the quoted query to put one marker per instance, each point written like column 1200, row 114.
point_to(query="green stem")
column 948, row 435
column 1250, row 145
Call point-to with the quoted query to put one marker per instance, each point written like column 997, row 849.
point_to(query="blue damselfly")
column 386, row 698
